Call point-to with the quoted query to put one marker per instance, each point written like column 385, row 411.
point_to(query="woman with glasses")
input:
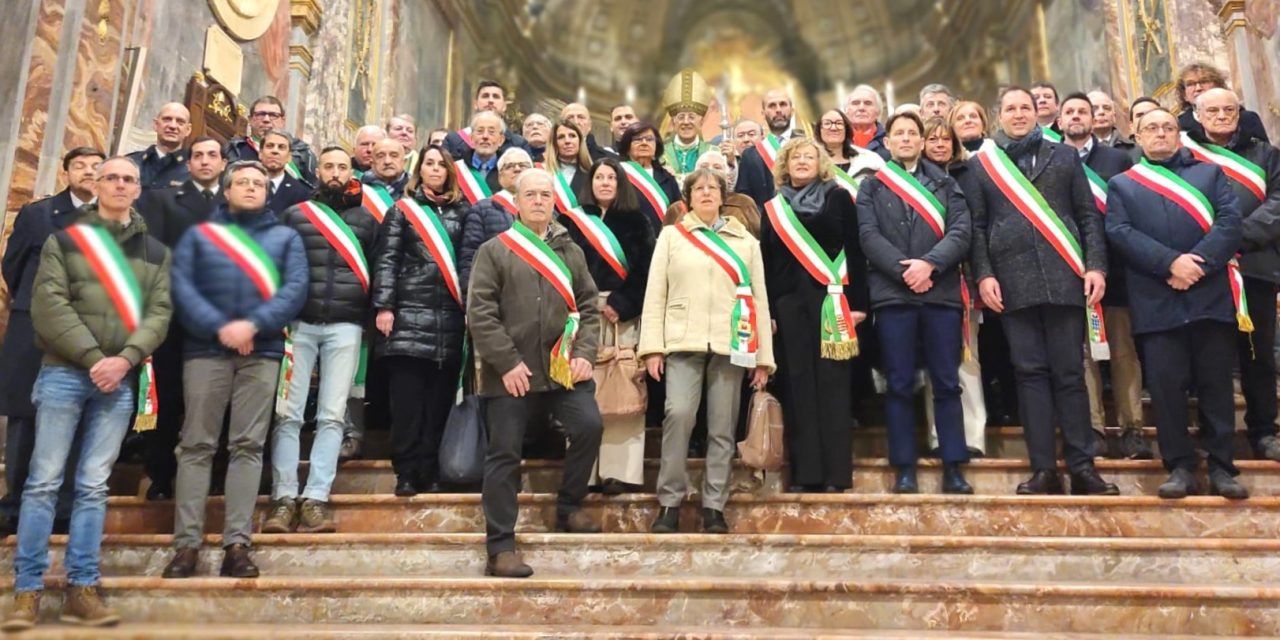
column 640, row 148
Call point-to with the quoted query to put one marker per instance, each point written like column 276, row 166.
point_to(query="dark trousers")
column 507, row 417
column 161, row 463
column 997, row 369
column 422, row 393
column 1198, row 354
column 818, row 413
column 1046, row 344
column 909, row 335
column 19, row 445
column 1257, row 360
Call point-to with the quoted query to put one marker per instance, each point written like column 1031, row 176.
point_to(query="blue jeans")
column 337, row 347
column 62, row 395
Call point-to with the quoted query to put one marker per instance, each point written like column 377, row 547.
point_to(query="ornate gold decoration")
column 306, row 14
column 300, row 59
column 362, row 41
column 104, row 10
column 1152, row 32
column 218, row 104
column 687, row 91
column 245, row 19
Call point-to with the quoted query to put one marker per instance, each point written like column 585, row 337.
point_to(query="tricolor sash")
column 505, row 200
column 744, row 334
column 1050, row 134
column 340, row 236
column 1175, row 189
column 593, row 228
column 465, row 134
column 648, row 187
column 846, row 181
column 1098, row 187
column 426, row 221
column 472, row 182
column 541, row 258
column 376, row 200
column 246, row 253
column 1031, row 204
column 112, row 269
column 907, row 187
column 768, row 148
column 1236, row 166
column 839, row 339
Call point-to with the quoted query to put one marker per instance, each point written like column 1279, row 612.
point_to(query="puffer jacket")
column 76, row 323
column 636, row 238
column 1260, row 224
column 334, row 292
column 210, row 289
column 485, row 220
column 429, row 322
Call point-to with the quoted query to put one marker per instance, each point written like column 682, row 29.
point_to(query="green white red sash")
column 1236, row 166
column 246, row 253
column 744, row 334
column 846, row 181
column 505, row 200
column 768, row 148
column 541, row 258
column 839, row 339
column 1050, row 134
column 1031, row 204
column 377, row 200
column 1098, row 187
column 290, row 167
column 593, row 228
column 465, row 134
column 648, row 187
column 907, row 187
column 340, row 236
column 426, row 221
column 1193, row 201
column 472, row 183
column 112, row 269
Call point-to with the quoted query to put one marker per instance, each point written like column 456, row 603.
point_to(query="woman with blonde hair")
column 972, row 125
column 567, row 156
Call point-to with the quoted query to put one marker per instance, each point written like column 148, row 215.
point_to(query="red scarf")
column 863, row 137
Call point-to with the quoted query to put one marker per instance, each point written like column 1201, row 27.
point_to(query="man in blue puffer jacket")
column 240, row 280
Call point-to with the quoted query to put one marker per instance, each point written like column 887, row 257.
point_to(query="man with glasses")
column 1177, row 223
column 536, row 130
column 163, row 164
column 267, row 113
column 686, row 99
column 238, row 281
column 1253, row 171
column 1104, row 122
column 1198, row 77
column 101, row 307
column 491, row 97
column 33, row 226
column 489, row 137
column 492, row 216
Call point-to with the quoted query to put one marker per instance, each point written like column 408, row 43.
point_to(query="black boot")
column 906, row 480
column 1041, row 482
column 713, row 521
column 668, row 520
column 953, row 480
column 1089, row 483
column 1180, row 484
column 406, row 487
column 1221, row 483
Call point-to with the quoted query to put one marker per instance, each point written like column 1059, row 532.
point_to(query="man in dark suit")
column 265, row 114
column 490, row 96
column 1101, row 163
column 169, row 213
column 164, row 164
column 34, row 224
column 286, row 190
column 1041, row 283
column 755, row 175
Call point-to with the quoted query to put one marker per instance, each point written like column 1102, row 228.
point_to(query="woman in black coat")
column 609, row 197
column 420, row 315
column 642, row 144
column 819, row 422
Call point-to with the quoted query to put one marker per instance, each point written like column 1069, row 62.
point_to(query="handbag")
column 620, row 388
column 763, row 448
column 465, row 441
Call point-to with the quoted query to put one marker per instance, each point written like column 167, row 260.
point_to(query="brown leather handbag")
column 763, row 448
column 619, row 376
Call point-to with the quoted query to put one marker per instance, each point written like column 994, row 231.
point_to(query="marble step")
column 1033, row 559
column 878, row 514
column 961, row 605
column 176, row 631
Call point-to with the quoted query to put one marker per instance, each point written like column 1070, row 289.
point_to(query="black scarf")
column 973, row 145
column 808, row 200
column 1021, row 151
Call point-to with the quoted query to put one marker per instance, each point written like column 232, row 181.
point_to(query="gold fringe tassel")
column 560, row 372
column 844, row 350
column 144, row 423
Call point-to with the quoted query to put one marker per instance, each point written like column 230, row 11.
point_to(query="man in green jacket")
column 101, row 307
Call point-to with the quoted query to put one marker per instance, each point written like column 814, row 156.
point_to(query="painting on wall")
column 362, row 71
column 1148, row 46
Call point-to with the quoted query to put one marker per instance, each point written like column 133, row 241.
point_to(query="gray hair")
column 742, row 121
column 713, row 152
column 530, row 174
column 512, row 156
column 371, row 129
column 241, row 165
column 278, row 132
column 537, row 116
column 501, row 122
column 937, row 87
column 874, row 94
column 1213, row 92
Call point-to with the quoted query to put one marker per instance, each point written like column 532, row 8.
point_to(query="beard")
column 333, row 188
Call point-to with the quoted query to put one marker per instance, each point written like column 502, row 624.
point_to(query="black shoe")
column 668, row 520
column 1089, row 483
column 8, row 527
column 406, row 487
column 1223, row 484
column 613, row 487
column 1133, row 446
column 1267, row 448
column 831, row 488
column 975, row 453
column 429, row 487
column 236, row 563
column 713, row 521
column 1181, row 483
column 805, row 488
column 906, row 481
column 61, row 526
column 1041, row 482
column 953, row 480
column 935, row 452
column 158, row 491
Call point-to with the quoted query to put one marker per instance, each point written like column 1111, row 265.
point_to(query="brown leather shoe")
column 576, row 522
column 24, row 612
column 283, row 517
column 315, row 517
column 236, row 563
column 84, row 607
column 183, row 564
column 507, row 564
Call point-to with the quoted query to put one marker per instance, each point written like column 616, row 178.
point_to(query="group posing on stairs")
column 403, row 277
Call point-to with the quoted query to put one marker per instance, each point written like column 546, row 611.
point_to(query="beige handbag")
column 763, row 449
column 619, row 376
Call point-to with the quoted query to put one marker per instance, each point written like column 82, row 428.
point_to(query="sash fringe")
column 846, row 350
column 560, row 372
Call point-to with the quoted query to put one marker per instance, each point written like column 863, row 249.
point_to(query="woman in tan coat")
column 706, row 320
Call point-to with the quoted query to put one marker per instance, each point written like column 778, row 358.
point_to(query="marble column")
column 305, row 16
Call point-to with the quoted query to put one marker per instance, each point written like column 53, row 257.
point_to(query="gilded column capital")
column 1231, row 16
column 306, row 14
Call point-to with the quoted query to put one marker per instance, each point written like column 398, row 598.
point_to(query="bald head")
column 1218, row 111
column 778, row 110
column 388, row 159
column 577, row 113
column 172, row 125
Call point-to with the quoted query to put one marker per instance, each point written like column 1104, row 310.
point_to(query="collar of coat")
column 732, row 226
column 88, row 214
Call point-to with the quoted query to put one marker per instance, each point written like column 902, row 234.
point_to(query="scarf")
column 973, row 145
column 1026, row 147
column 808, row 200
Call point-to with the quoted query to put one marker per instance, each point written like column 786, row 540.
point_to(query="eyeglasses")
column 1159, row 128
column 686, row 117
column 249, row 182
column 832, row 124
column 645, row 139
column 121, row 178
column 1201, row 83
column 517, row 166
column 267, row 115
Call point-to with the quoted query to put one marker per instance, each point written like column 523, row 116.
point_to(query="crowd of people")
column 201, row 287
